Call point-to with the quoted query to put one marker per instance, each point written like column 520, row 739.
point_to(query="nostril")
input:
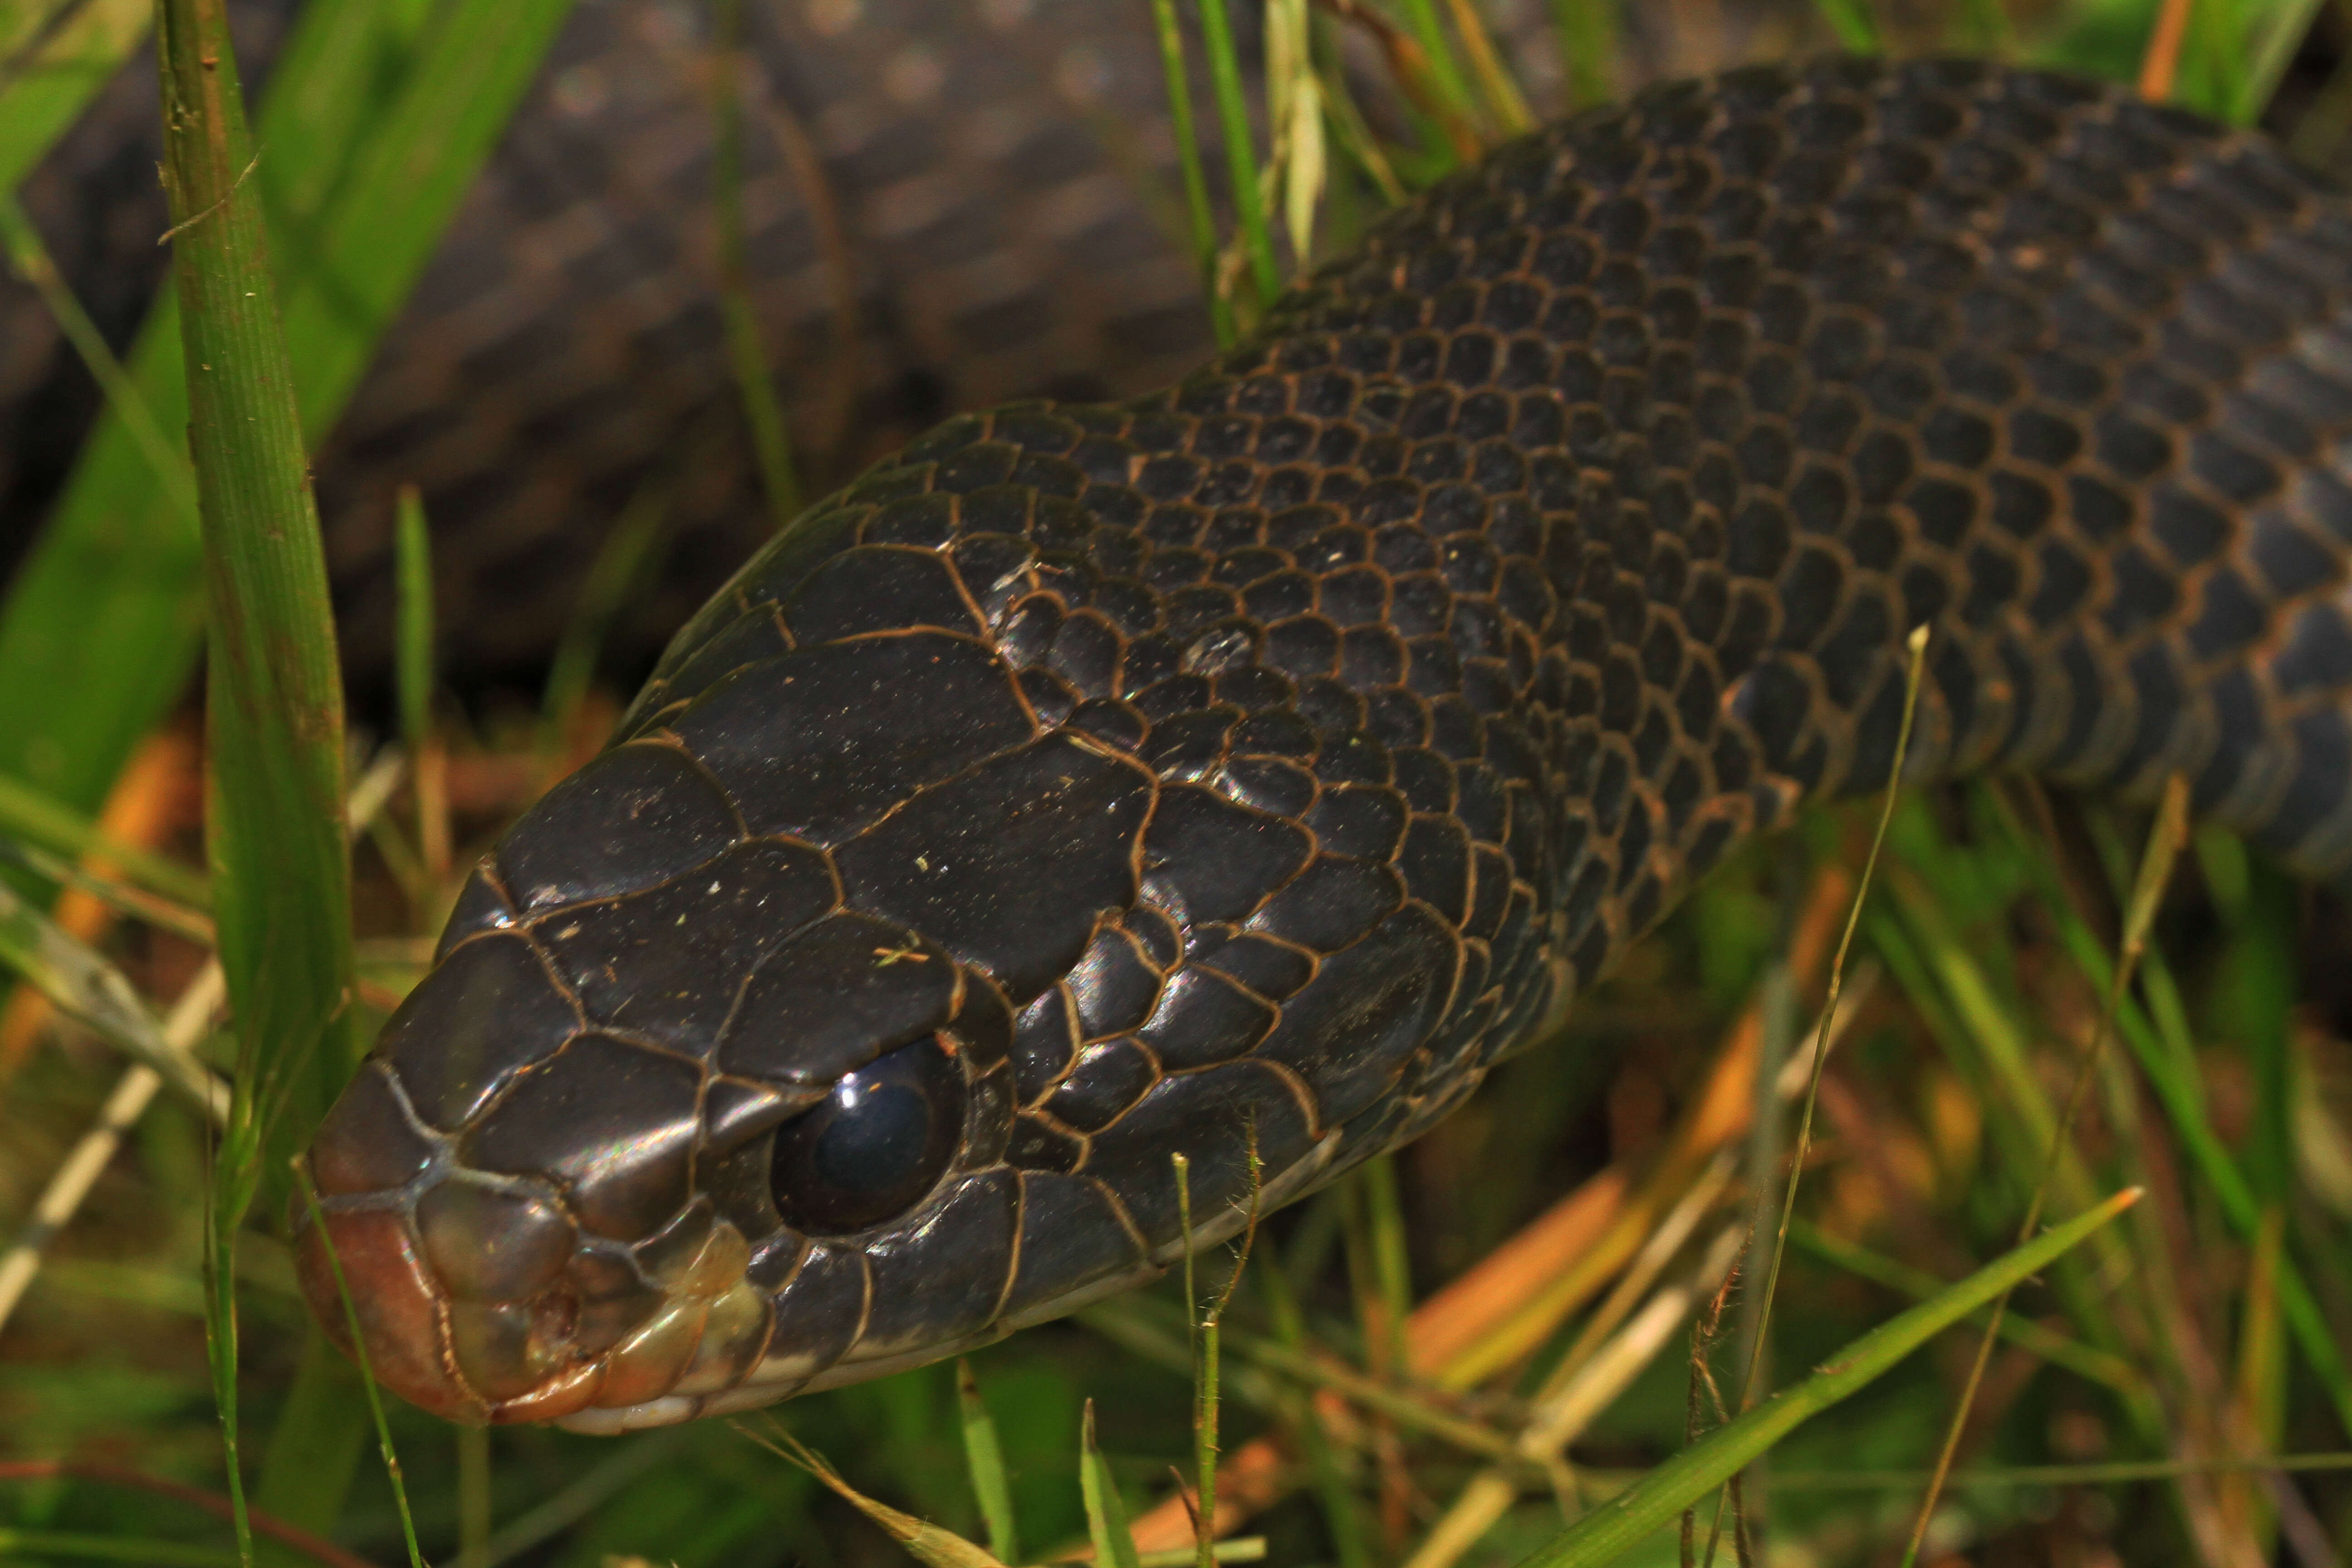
column 489, row 1245
column 368, row 1143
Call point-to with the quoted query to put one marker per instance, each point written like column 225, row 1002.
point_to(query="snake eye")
column 876, row 1146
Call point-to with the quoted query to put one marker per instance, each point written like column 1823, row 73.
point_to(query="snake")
column 1240, row 770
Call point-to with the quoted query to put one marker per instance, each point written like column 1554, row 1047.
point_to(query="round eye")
column 877, row 1145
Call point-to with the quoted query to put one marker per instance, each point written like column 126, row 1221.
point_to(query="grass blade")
column 36, row 819
column 985, row 1457
column 413, row 669
column 1199, row 218
column 1654, row 1501
column 1106, row 1515
column 367, row 1377
column 1240, row 156
column 274, row 707
column 746, row 349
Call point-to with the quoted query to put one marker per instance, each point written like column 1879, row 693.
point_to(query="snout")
column 478, row 1296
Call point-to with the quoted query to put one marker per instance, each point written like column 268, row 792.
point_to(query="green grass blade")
column 55, row 64
column 413, row 653
column 985, row 1458
column 1240, row 155
column 34, row 818
column 1654, row 1501
column 2083, row 1361
column 274, row 709
column 102, row 624
column 619, row 561
column 1445, row 71
column 358, row 1339
column 1201, row 222
column 1106, row 1515
column 1852, row 21
column 1587, row 30
column 747, row 349
column 274, row 704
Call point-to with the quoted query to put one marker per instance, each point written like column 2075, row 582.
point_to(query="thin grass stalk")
column 625, row 556
column 2165, row 840
column 2105, row 1472
column 35, row 818
column 1204, row 1451
column 1444, row 70
column 1299, row 164
column 274, row 700
column 1341, row 1518
column 367, row 1376
column 413, row 674
column 32, row 262
column 1199, row 217
column 1241, row 159
column 747, row 349
column 1756, row 1334
column 474, row 1517
column 209, row 1503
column 1917, row 645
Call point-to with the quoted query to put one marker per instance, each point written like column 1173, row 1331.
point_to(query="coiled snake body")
column 1253, row 765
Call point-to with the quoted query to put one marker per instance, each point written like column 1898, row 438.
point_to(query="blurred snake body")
column 1242, row 770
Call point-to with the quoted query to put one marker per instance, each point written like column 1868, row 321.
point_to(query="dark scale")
column 1241, row 771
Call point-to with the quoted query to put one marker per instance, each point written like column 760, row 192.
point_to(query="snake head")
column 708, row 1096
column 850, row 1010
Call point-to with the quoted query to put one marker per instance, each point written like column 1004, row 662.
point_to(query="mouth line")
column 706, row 1344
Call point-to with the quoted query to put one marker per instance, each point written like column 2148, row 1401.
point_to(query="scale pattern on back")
column 1249, row 766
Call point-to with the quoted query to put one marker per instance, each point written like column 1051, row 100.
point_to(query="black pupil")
column 875, row 1147
column 874, row 1139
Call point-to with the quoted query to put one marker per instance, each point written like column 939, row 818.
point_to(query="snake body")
column 1242, row 770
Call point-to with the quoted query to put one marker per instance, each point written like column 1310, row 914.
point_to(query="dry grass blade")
column 86, row 987
column 71, row 1182
column 923, row 1540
